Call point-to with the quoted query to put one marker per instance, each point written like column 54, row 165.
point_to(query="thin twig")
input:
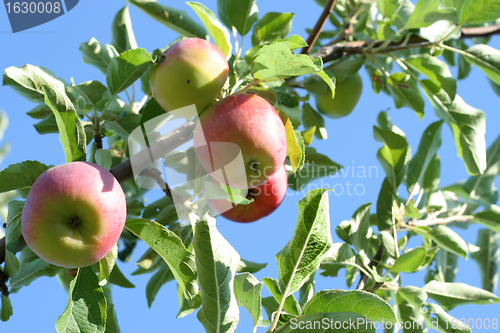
column 156, row 175
column 313, row 36
column 446, row 220
column 340, row 50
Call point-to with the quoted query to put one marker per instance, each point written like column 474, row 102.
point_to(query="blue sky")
column 350, row 142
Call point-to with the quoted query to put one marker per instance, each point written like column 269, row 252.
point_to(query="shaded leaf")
column 450, row 295
column 361, row 302
column 71, row 131
column 216, row 261
column 302, row 255
column 86, row 309
column 488, row 258
column 126, row 68
column 177, row 20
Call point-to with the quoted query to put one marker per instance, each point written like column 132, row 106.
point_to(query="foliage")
column 406, row 49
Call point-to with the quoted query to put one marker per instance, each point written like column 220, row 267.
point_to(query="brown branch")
column 143, row 159
column 372, row 263
column 340, row 50
column 156, row 175
column 313, row 36
column 446, row 220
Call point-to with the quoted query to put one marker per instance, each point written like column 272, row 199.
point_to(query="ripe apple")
column 266, row 199
column 240, row 128
column 347, row 94
column 74, row 214
column 192, row 71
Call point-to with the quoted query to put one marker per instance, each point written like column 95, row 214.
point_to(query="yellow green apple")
column 347, row 93
column 192, row 71
column 74, row 214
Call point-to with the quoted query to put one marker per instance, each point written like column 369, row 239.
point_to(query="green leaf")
column 170, row 247
column 443, row 321
column 409, row 261
column 6, row 309
column 217, row 31
column 427, row 12
column 446, row 267
column 468, row 126
column 413, row 295
column 247, row 292
column 360, row 231
column 126, row 68
column 449, row 240
column 486, row 58
column 31, row 269
column 186, row 307
column 216, row 261
column 346, row 67
column 98, row 54
column 249, row 266
column 125, row 125
column 385, row 205
column 329, row 79
column 177, row 20
column 103, row 158
column 490, row 217
column 393, row 156
column 28, row 81
column 450, row 295
column 405, row 92
column 276, row 61
column 240, row 14
column 86, row 309
column 432, row 175
column 340, row 255
column 302, row 255
column 13, row 230
column 294, row 145
column 272, row 26
column 107, row 264
column 315, row 166
column 479, row 11
column 290, row 305
column 123, row 35
column 12, row 265
column 92, row 91
column 111, row 319
column 427, row 148
column 436, row 71
column 293, row 42
column 157, row 280
column 71, row 131
column 116, row 277
column 40, row 111
column 311, row 118
column 361, row 302
column 488, row 258
column 482, row 186
column 20, row 175
column 345, row 320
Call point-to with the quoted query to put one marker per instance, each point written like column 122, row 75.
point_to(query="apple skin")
column 242, row 121
column 347, row 95
column 266, row 199
column 193, row 71
column 79, row 193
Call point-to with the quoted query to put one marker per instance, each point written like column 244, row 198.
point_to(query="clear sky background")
column 350, row 142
